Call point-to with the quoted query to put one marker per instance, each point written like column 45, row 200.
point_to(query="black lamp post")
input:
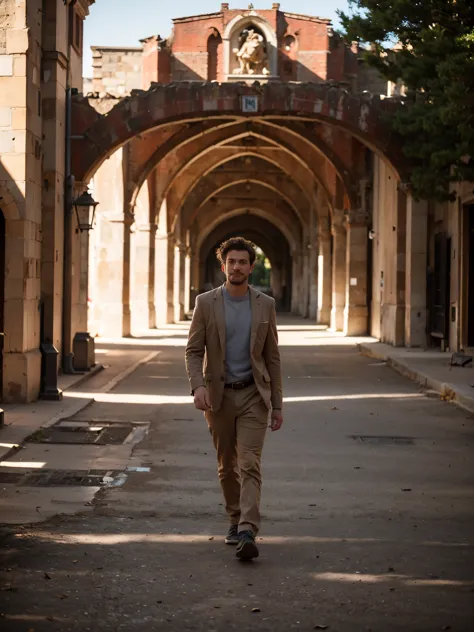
column 85, row 206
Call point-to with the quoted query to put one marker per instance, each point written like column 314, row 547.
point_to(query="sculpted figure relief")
column 251, row 56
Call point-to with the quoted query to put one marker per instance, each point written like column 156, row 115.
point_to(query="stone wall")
column 116, row 71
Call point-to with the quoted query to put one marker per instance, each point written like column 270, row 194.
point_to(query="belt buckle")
column 238, row 385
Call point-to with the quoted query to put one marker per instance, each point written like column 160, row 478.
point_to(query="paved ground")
column 359, row 534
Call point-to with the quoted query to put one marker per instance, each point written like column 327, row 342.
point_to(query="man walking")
column 233, row 365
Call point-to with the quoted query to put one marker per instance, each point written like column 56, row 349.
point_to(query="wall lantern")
column 85, row 206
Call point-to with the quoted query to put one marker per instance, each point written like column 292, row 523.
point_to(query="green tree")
column 261, row 272
column 433, row 57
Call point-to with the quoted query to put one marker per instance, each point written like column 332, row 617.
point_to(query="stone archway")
column 264, row 233
column 98, row 135
column 183, row 138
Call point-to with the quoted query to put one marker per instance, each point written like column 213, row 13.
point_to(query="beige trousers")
column 238, row 431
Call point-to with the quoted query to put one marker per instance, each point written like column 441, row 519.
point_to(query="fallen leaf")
column 46, row 576
column 321, row 627
column 50, row 618
column 211, row 538
column 406, row 489
column 256, row 610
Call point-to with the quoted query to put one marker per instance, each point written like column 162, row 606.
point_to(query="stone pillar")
column 296, row 283
column 276, row 282
column 356, row 310
column 305, row 283
column 187, row 281
column 53, row 89
column 151, row 276
column 324, row 279
column 139, row 258
column 415, row 272
column 338, row 275
column 161, row 269
column 313, row 295
column 171, row 278
column 21, row 182
column 179, row 281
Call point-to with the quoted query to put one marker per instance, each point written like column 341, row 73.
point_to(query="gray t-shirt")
column 238, row 324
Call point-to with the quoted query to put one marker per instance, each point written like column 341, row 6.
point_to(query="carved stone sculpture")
column 251, row 56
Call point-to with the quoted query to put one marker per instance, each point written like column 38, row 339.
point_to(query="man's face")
column 237, row 267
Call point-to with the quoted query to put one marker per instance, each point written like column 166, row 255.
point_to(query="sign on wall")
column 249, row 104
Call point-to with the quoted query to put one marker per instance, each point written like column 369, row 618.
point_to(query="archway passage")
column 273, row 250
column 191, row 165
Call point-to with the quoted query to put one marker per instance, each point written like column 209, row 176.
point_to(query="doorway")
column 2, row 296
column 470, row 276
column 440, row 290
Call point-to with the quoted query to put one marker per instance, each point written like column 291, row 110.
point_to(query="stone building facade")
column 40, row 63
column 257, row 122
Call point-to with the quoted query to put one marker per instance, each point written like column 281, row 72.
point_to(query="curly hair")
column 235, row 243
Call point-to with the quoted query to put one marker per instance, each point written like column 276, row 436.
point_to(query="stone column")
column 356, row 311
column 415, row 272
column 296, row 283
column 53, row 88
column 21, row 183
column 338, row 275
column 324, row 279
column 187, row 280
column 140, row 258
column 305, row 283
column 276, row 283
column 171, row 278
column 179, row 281
column 151, row 276
column 161, row 269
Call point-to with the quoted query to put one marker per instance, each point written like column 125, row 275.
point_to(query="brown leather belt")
column 239, row 385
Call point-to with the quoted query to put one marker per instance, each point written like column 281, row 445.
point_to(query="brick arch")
column 207, row 139
column 262, row 232
column 256, row 209
column 181, row 197
column 303, row 185
column 362, row 117
column 259, row 181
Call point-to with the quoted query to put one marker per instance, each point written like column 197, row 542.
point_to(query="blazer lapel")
column 219, row 315
column 256, row 307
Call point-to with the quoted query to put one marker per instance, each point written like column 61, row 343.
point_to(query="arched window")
column 213, row 45
column 288, row 58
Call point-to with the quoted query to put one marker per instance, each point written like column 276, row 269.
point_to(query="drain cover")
column 383, row 440
column 83, row 433
column 58, row 478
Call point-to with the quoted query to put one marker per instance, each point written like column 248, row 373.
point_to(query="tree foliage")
column 262, row 270
column 429, row 46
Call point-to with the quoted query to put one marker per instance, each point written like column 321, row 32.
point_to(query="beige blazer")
column 205, row 351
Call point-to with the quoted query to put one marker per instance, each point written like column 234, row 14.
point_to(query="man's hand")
column 202, row 400
column 276, row 420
